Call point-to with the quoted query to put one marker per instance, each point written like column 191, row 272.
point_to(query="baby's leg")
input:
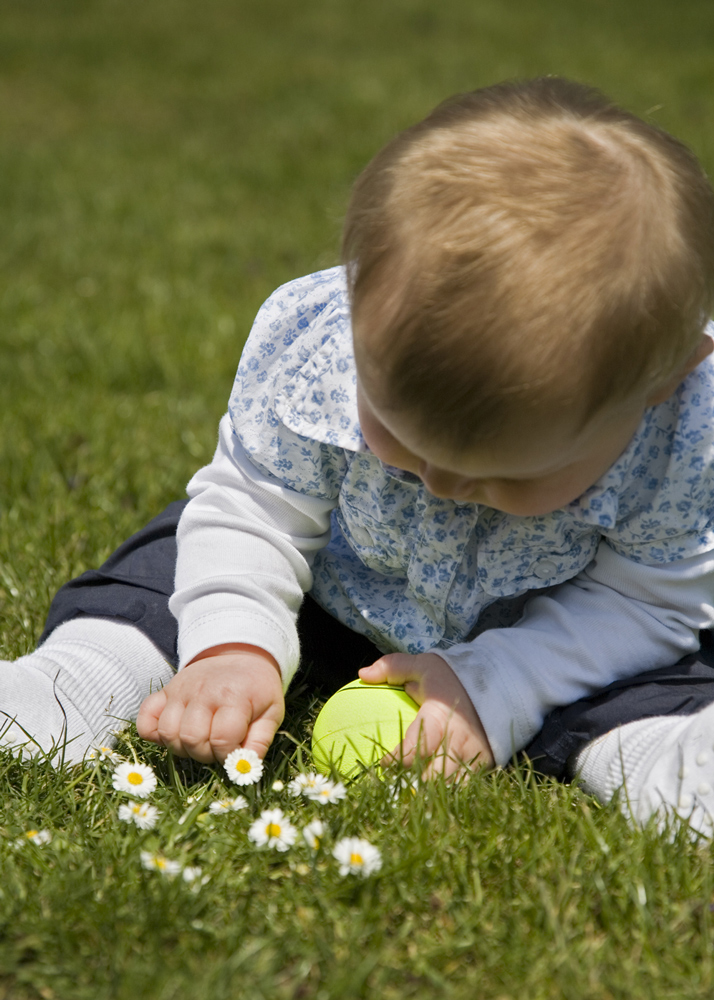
column 109, row 641
column 84, row 682
column 650, row 738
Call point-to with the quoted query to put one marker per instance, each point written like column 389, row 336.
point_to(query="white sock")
column 664, row 767
column 88, row 679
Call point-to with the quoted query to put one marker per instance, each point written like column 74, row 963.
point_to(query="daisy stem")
column 173, row 772
column 85, row 775
column 188, row 818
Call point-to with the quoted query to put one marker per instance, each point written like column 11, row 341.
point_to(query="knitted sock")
column 664, row 767
column 88, row 679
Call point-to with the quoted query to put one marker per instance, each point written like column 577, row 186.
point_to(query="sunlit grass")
column 503, row 884
column 163, row 167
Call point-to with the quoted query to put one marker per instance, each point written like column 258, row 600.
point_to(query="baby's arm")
column 615, row 619
column 245, row 547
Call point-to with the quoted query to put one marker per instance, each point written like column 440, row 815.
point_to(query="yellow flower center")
column 243, row 766
column 356, row 859
column 160, row 863
column 134, row 778
column 273, row 829
column 31, row 833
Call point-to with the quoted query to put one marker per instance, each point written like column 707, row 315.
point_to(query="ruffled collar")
column 320, row 400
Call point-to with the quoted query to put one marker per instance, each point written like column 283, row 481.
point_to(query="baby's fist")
column 230, row 696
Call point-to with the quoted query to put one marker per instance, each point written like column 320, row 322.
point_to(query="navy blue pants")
column 135, row 584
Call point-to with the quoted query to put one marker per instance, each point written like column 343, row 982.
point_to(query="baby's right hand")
column 229, row 696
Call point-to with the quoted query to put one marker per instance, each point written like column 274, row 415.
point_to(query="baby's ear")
column 704, row 347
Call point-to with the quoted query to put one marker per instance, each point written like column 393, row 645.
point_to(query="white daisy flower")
column 103, row 753
column 137, row 779
column 313, row 833
column 39, row 837
column 278, row 786
column 228, row 805
column 356, row 856
column 405, row 783
column 9, row 736
column 192, row 873
column 141, row 813
column 126, row 813
column 19, row 744
column 305, row 784
column 273, row 829
column 243, row 766
column 158, row 863
column 331, row 791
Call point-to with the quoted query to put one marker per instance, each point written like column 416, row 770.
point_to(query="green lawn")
column 164, row 165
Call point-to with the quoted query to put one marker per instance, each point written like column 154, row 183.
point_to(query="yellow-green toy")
column 360, row 724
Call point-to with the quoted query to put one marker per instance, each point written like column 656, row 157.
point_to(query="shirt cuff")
column 498, row 703
column 223, row 625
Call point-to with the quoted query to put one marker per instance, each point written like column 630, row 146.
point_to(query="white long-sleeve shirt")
column 294, row 501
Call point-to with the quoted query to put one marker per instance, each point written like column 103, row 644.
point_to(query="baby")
column 483, row 446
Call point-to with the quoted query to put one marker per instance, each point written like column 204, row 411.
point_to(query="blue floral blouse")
column 413, row 571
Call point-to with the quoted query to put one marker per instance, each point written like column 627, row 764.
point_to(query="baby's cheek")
column 533, row 499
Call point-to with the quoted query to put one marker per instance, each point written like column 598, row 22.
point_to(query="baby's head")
column 529, row 269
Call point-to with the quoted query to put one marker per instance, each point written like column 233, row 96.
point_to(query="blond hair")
column 527, row 247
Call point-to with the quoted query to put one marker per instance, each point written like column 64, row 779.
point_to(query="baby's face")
column 525, row 474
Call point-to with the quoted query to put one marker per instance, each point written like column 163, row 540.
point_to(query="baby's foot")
column 84, row 682
column 663, row 767
column 33, row 719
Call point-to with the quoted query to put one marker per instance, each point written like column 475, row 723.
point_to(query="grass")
column 506, row 886
column 163, row 166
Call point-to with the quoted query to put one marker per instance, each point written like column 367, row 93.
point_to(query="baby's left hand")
column 447, row 728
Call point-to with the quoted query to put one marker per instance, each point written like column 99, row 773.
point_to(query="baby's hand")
column 229, row 696
column 447, row 728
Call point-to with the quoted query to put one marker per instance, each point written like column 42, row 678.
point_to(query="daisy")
column 272, row 829
column 137, row 779
column 38, row 837
column 404, row 783
column 228, row 805
column 19, row 744
column 104, row 753
column 331, row 791
column 357, row 857
column 305, row 784
column 158, row 863
column 141, row 813
column 313, row 833
column 278, row 786
column 243, row 766
column 191, row 874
